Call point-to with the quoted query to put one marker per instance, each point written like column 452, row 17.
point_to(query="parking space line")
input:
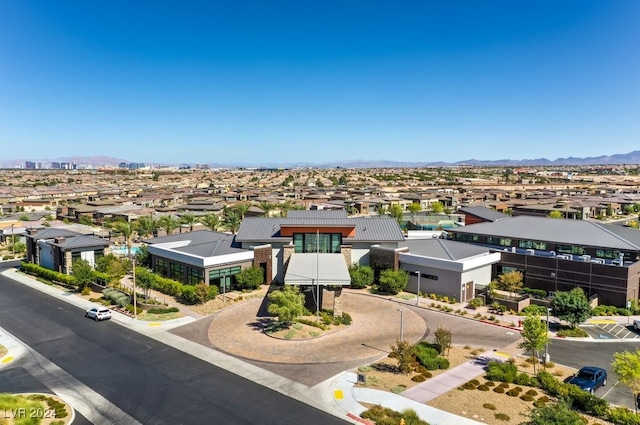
column 610, row 389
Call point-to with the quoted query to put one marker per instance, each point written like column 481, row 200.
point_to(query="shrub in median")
column 163, row 310
column 503, row 372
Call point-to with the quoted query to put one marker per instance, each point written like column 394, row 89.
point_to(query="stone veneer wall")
column 346, row 253
column 287, row 251
column 262, row 254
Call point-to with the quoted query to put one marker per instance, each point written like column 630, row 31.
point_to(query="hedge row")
column 147, row 279
column 48, row 274
column 163, row 310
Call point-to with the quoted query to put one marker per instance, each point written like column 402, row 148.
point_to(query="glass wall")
column 224, row 277
column 314, row 242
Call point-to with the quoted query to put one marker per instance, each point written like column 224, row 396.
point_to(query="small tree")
column 572, row 306
column 414, row 208
column 627, row 366
column 554, row 214
column 82, row 273
column 361, row 276
column 393, row 281
column 443, row 339
column 511, row 281
column 437, row 207
column 396, row 212
column 250, row 278
column 534, row 336
column 404, row 353
column 287, row 304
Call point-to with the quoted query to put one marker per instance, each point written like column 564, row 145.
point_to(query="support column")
column 337, row 302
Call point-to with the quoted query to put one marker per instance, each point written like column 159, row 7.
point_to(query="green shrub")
column 504, row 385
column 502, row 371
column 129, row 308
column 475, row 382
column 499, row 390
column 513, row 392
column 474, row 303
column 523, row 379
column 163, row 310
column 532, row 392
column 490, row 406
column 468, row 386
column 622, row 416
column 483, row 387
column 502, row 417
column 419, row 378
column 535, row 309
column 526, row 397
column 573, row 333
column 539, row 293
column 313, row 323
column 398, row 389
column 490, row 384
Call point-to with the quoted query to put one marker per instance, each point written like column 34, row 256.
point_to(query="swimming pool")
column 122, row 250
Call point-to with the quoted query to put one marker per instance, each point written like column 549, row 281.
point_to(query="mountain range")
column 617, row 159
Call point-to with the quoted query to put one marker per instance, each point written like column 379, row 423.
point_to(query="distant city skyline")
column 318, row 82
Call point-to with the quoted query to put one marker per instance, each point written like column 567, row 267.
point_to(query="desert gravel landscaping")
column 471, row 403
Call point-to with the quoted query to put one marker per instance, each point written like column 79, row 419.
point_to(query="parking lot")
column 610, row 329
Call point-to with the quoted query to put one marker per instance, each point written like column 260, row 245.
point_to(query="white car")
column 636, row 324
column 98, row 313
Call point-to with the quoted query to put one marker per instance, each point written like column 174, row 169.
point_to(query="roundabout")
column 376, row 325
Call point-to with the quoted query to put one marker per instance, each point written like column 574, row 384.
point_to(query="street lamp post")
column 418, row 293
column 546, row 346
column 13, row 241
column 135, row 297
column 401, row 324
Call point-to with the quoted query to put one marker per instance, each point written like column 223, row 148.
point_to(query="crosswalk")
column 610, row 329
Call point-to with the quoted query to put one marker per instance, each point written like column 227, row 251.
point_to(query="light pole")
column 135, row 297
column 224, row 288
column 13, row 241
column 418, row 293
column 401, row 324
column 546, row 346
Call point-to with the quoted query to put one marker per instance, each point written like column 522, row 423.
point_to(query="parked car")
column 636, row 324
column 589, row 378
column 98, row 313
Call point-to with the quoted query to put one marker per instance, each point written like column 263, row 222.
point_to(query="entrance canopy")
column 317, row 269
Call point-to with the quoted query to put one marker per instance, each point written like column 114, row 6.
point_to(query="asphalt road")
column 149, row 381
column 584, row 353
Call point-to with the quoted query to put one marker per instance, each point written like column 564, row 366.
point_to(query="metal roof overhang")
column 317, row 269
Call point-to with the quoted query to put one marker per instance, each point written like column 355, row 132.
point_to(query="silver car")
column 98, row 313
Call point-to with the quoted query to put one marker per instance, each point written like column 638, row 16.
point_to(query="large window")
column 194, row 276
column 223, row 277
column 176, row 272
column 571, row 249
column 314, row 242
column 161, row 267
column 533, row 245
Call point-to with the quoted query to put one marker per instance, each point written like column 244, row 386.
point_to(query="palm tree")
column 242, row 209
column 267, row 207
column 147, row 225
column 189, row 219
column 211, row 222
column 127, row 230
column 232, row 220
column 169, row 223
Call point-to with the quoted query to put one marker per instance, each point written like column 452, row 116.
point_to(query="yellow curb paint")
column 338, row 394
column 7, row 359
column 502, row 354
column 602, row 322
column 155, row 324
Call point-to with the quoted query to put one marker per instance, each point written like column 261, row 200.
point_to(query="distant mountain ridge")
column 106, row 161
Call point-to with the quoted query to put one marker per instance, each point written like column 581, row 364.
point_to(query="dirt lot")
column 468, row 403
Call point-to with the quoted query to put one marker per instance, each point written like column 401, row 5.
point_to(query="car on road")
column 98, row 313
column 636, row 324
column 589, row 378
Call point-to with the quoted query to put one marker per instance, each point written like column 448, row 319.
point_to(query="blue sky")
column 317, row 81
